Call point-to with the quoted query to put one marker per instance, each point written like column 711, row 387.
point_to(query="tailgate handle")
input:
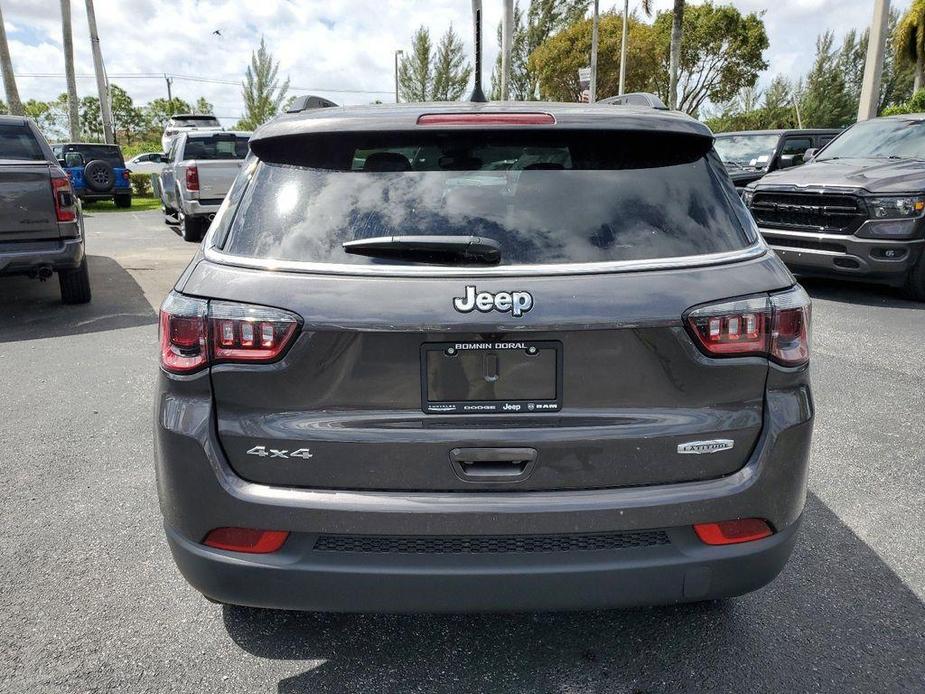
column 493, row 464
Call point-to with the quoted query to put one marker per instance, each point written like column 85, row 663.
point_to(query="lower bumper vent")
column 489, row 544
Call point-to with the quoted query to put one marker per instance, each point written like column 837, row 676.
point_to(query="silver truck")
column 200, row 168
column 41, row 228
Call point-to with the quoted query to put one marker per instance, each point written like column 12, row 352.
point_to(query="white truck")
column 200, row 168
column 185, row 122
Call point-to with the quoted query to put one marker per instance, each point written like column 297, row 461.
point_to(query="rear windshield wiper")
column 465, row 248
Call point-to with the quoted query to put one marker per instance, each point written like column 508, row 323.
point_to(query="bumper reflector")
column 246, row 540
column 733, row 531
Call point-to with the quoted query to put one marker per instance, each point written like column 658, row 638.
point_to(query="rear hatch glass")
column 110, row 154
column 216, row 147
column 18, row 142
column 542, row 198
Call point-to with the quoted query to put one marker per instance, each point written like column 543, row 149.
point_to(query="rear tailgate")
column 216, row 177
column 27, row 207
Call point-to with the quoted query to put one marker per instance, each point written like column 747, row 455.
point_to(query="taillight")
column 192, row 178
column 65, row 204
column 733, row 532
column 248, row 540
column 195, row 333
column 775, row 326
column 126, row 175
column 486, row 119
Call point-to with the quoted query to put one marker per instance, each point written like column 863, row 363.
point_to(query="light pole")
column 507, row 28
column 592, row 95
column 397, row 53
column 873, row 66
column 626, row 11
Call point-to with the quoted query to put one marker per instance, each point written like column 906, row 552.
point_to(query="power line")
column 193, row 78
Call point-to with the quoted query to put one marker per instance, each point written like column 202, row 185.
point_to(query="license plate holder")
column 491, row 377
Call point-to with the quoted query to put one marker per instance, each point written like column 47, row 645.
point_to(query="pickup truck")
column 749, row 155
column 201, row 166
column 41, row 229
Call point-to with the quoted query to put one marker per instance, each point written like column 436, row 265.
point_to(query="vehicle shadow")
column 856, row 293
column 30, row 309
column 837, row 619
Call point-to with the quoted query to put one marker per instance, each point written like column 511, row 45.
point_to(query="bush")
column 915, row 105
column 141, row 185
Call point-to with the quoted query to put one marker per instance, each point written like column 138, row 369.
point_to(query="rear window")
column 110, row 154
column 216, row 147
column 18, row 142
column 195, row 122
column 544, row 198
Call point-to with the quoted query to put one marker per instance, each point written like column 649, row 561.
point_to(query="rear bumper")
column 28, row 256
column 299, row 577
column 200, row 208
column 199, row 491
column 839, row 255
column 87, row 194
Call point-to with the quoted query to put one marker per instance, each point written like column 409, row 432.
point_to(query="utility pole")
column 507, row 35
column 397, row 53
column 626, row 12
column 873, row 65
column 9, row 81
column 592, row 93
column 101, row 85
column 73, row 117
column 169, row 81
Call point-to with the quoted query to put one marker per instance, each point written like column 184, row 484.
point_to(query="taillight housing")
column 65, row 201
column 195, row 333
column 192, row 178
column 776, row 327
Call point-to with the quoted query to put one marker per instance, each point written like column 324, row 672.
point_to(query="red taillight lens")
column 249, row 333
column 776, row 327
column 487, row 119
column 247, row 540
column 195, row 333
column 733, row 532
column 65, row 204
column 183, row 333
column 126, row 175
column 192, row 178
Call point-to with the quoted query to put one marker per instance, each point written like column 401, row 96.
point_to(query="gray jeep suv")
column 482, row 357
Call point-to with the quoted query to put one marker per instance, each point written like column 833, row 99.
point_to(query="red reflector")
column 733, row 532
column 247, row 540
column 192, row 178
column 487, row 119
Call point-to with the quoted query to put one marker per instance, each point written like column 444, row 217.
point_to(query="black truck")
column 856, row 210
column 749, row 155
column 41, row 229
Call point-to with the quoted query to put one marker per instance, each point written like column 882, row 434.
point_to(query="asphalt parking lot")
column 90, row 599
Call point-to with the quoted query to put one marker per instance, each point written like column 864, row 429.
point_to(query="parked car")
column 855, row 211
column 146, row 163
column 749, row 155
column 399, row 377
column 185, row 122
column 200, row 168
column 41, row 230
column 97, row 171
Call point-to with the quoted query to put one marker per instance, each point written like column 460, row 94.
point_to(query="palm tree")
column 909, row 41
column 68, row 45
column 674, row 59
column 9, row 81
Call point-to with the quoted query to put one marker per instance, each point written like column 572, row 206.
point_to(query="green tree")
column 542, row 20
column 722, row 53
column 159, row 110
column 415, row 74
column 555, row 63
column 261, row 90
column 909, row 41
column 129, row 122
column 203, row 107
column 826, row 101
column 91, row 122
column 451, row 70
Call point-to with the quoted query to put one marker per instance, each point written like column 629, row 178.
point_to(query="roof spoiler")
column 636, row 99
column 308, row 102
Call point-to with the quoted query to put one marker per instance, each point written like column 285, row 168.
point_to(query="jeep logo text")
column 515, row 303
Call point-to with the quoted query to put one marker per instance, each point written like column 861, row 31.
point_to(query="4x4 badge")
column 515, row 303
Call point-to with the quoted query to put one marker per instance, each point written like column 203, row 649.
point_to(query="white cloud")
column 346, row 44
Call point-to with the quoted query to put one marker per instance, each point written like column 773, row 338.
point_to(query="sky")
column 340, row 49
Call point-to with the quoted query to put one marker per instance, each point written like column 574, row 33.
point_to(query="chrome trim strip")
column 756, row 250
